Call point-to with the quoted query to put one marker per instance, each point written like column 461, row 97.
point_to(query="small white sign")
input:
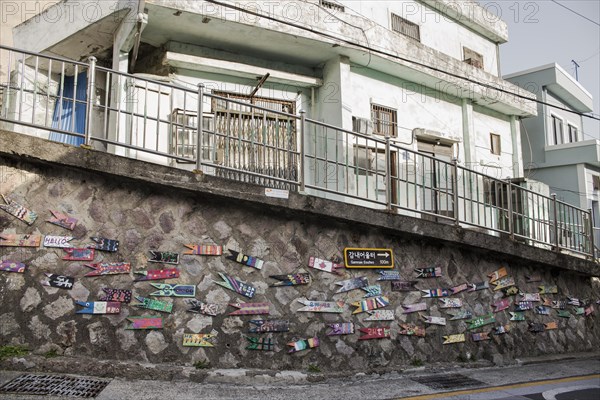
column 58, row 241
column 277, row 193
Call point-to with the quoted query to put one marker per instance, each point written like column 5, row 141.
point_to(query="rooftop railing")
column 261, row 142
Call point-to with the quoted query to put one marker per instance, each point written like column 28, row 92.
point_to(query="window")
column 596, row 182
column 557, row 130
column 572, row 134
column 184, row 134
column 332, row 6
column 472, row 58
column 495, row 144
column 384, row 120
column 406, row 27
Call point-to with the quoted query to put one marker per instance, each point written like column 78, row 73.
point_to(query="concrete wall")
column 151, row 207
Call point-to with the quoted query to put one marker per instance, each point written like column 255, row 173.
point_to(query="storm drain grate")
column 450, row 381
column 54, row 385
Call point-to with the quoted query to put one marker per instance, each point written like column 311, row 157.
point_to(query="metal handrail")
column 278, row 148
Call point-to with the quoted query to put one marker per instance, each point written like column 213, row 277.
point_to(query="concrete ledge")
column 18, row 148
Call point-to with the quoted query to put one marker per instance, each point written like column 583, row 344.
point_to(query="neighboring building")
column 556, row 150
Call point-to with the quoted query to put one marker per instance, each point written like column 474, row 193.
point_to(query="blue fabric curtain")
column 65, row 113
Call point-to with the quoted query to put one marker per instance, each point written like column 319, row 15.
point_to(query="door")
column 436, row 176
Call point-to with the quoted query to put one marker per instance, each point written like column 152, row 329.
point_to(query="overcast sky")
column 542, row 32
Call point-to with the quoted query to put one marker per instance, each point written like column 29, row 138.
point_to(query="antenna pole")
column 577, row 66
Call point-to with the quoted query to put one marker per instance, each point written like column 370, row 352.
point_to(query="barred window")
column 405, row 27
column 385, row 120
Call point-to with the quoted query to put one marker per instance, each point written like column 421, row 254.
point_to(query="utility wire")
column 575, row 12
column 590, row 57
column 395, row 56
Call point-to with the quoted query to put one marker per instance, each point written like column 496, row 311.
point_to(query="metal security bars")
column 265, row 142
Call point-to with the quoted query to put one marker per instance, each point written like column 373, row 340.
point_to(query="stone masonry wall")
column 147, row 217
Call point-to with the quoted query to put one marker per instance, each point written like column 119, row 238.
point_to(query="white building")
column 424, row 74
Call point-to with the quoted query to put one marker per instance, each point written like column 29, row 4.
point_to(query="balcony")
column 585, row 152
column 258, row 141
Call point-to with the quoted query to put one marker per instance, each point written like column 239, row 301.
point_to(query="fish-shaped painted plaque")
column 428, row 319
column 372, row 291
column 198, row 307
column 267, row 326
column 478, row 337
column 462, row 314
column 58, row 241
column 58, row 281
column 389, row 276
column 563, row 313
column 198, row 339
column 12, row 266
column 412, row 330
column 456, row 338
column 517, row 316
column 501, row 305
column 546, row 301
column 203, row 250
column 371, row 303
column 578, row 310
column 145, row 322
column 433, row 293
column 534, row 297
column 153, row 304
column 237, row 286
column 250, row 308
column 404, row 286
column 18, row 211
column 75, row 254
column 546, row 289
column 99, row 307
column 243, row 259
column 166, row 290
column 164, row 257
column 62, row 220
column 380, row 315
column 551, row 325
column 472, row 287
column 341, row 328
column 322, row 306
column 120, row 295
column 104, row 244
column 501, row 330
column 100, row 269
column 574, row 301
column 303, row 344
column 411, row 308
column 478, row 322
column 501, row 273
column 325, row 265
column 451, row 303
column 379, row 332
column 536, row 327
column 13, row 240
column 260, row 343
column 157, row 274
column 589, row 310
column 542, row 310
column 511, row 291
column 523, row 306
column 558, row 304
column 460, row 288
column 533, row 278
column 432, row 272
column 503, row 283
column 351, row 284
column 291, row 279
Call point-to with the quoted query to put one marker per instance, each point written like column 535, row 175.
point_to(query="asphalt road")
column 564, row 380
